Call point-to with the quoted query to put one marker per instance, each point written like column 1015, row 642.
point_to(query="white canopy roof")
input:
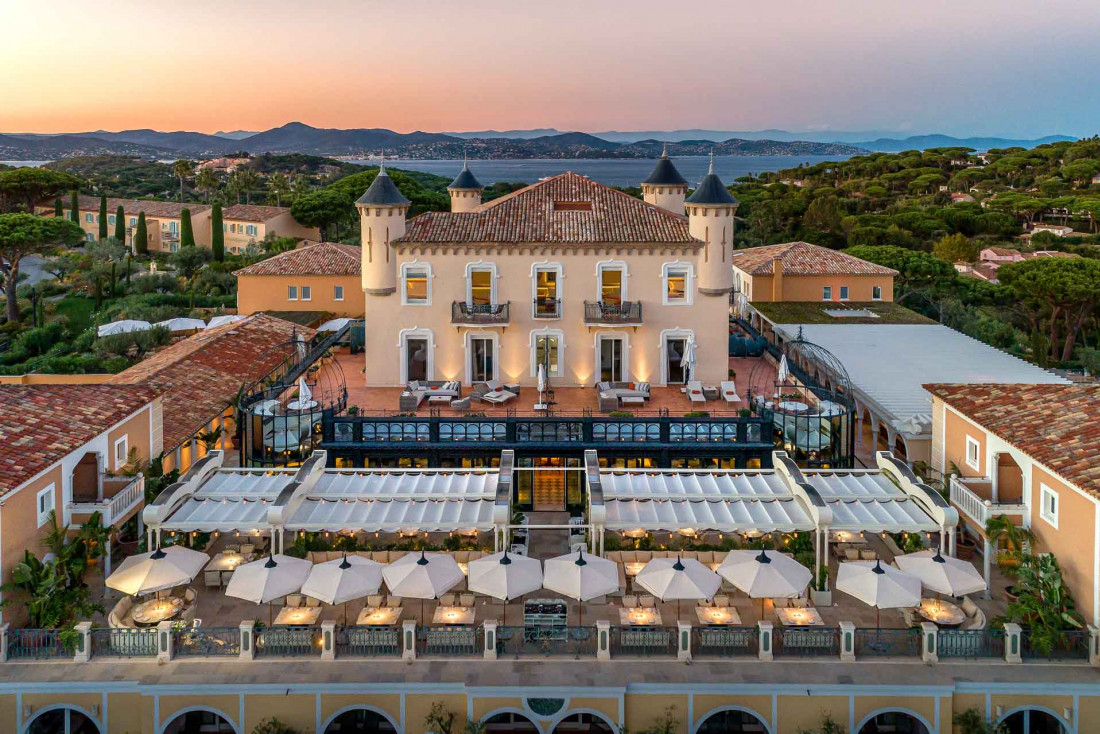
column 868, row 501
column 231, row 499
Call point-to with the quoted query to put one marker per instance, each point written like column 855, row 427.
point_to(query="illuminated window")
column 416, row 286
column 481, row 287
column 677, row 290
column 611, row 286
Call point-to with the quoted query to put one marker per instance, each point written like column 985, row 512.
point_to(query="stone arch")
column 724, row 723
column 605, row 725
column 180, row 721
column 386, row 718
column 48, row 718
column 502, row 721
column 1020, row 721
column 869, row 725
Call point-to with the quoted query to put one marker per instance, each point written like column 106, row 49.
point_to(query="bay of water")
column 610, row 172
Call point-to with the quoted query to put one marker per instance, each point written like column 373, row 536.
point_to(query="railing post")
column 328, row 640
column 4, row 642
column 765, row 652
column 408, row 640
column 248, row 640
column 490, row 631
column 164, row 642
column 1094, row 646
column 847, row 642
column 683, row 649
column 83, row 652
column 603, row 639
column 929, row 645
column 1013, row 640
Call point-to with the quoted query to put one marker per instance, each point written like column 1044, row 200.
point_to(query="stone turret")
column 465, row 191
column 382, row 212
column 711, row 209
column 665, row 187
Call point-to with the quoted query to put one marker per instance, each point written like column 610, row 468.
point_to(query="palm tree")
column 249, row 182
column 181, row 169
column 299, row 187
column 279, row 187
column 234, row 186
column 207, row 182
column 1012, row 541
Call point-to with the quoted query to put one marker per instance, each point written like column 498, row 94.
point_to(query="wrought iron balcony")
column 547, row 308
column 627, row 313
column 481, row 314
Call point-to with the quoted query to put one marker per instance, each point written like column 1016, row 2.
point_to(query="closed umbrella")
column 581, row 576
column 678, row 578
column 264, row 580
column 123, row 327
column 883, row 587
column 161, row 569
column 342, row 580
column 427, row 576
column 784, row 370
column 182, row 324
column 942, row 574
column 542, row 382
column 687, row 362
column 506, row 577
column 765, row 574
column 305, row 399
column 223, row 320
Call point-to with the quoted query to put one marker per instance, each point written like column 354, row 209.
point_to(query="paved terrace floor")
column 570, row 400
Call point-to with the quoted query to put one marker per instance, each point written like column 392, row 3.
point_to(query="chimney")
column 777, row 279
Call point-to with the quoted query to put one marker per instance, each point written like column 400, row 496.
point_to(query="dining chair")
column 647, row 601
column 447, row 600
column 630, row 602
column 466, row 600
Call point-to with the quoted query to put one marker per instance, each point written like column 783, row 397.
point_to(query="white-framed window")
column 676, row 286
column 546, row 290
column 416, row 349
column 251, row 230
column 876, row 293
column 481, row 284
column 844, row 293
column 292, row 293
column 827, row 293
column 337, row 292
column 1048, row 505
column 482, row 356
column 110, row 219
column 122, row 449
column 89, row 218
column 90, row 237
column 973, row 453
column 307, row 293
column 548, row 347
column 611, row 282
column 45, row 503
column 133, row 221
column 416, row 284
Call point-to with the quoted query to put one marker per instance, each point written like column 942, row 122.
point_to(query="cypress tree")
column 187, row 236
column 217, row 236
column 120, row 226
column 58, row 209
column 74, row 204
column 141, row 238
column 103, row 216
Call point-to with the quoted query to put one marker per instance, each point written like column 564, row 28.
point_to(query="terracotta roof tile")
column 40, row 424
column 200, row 375
column 252, row 212
column 567, row 208
column 1057, row 425
column 167, row 209
column 803, row 258
column 321, row 258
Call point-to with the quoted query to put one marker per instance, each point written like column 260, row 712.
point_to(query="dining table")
column 153, row 612
column 714, row 616
column 942, row 613
column 224, row 564
column 453, row 615
column 297, row 616
column 633, row 568
column 639, row 617
column 799, row 617
column 378, row 617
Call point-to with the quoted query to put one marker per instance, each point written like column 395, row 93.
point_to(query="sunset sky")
column 997, row 67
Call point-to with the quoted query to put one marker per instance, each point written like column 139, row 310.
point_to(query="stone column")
column 847, row 642
column 683, row 648
column 987, row 566
column 603, row 639
column 765, row 651
column 1012, row 642
column 408, row 640
column 164, row 642
column 1094, row 646
column 4, row 642
column 328, row 640
column 929, row 650
column 490, row 640
column 83, row 652
column 248, row 640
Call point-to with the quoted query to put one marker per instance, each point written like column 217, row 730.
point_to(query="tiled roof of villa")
column 321, row 258
column 41, row 424
column 201, row 374
column 253, row 212
column 567, row 209
column 1057, row 425
column 803, row 258
column 168, row 209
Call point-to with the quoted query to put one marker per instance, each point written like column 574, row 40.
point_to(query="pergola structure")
column 889, row 498
column 311, row 498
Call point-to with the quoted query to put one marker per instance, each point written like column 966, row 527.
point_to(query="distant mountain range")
column 297, row 137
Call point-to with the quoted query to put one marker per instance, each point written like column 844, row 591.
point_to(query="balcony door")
column 611, row 286
column 416, row 358
column 482, row 356
column 611, row 351
column 546, row 294
column 481, row 287
column 674, row 355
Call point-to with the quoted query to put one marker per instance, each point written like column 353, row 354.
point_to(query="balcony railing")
column 479, row 314
column 116, row 507
column 976, row 507
column 627, row 313
column 546, row 308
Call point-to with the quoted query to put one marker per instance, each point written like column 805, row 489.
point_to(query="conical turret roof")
column 382, row 191
column 664, row 173
column 465, row 179
column 711, row 190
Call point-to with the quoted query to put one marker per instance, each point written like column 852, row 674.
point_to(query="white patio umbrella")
column 541, row 382
column 678, row 578
column 784, row 370
column 342, row 580
column 182, row 324
column 333, row 325
column 163, row 568
column 223, row 320
column 505, row 577
column 687, row 362
column 123, row 327
column 580, row 576
column 883, row 587
column 765, row 574
column 942, row 574
column 264, row 580
column 427, row 576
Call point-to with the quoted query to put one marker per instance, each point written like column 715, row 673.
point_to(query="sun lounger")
column 695, row 392
column 729, row 392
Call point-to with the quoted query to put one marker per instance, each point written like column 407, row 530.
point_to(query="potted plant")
column 820, row 592
column 1011, row 543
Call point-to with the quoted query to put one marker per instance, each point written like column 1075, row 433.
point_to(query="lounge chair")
column 695, row 392
column 729, row 392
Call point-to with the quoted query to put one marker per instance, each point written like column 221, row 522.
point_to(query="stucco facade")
column 337, row 294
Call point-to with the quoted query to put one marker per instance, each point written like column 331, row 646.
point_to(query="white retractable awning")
column 230, row 500
column 868, row 501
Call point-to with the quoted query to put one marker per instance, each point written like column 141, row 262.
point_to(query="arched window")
column 1033, row 721
column 732, row 721
column 360, row 721
column 895, row 722
column 583, row 723
column 509, row 722
column 203, row 721
column 62, row 721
